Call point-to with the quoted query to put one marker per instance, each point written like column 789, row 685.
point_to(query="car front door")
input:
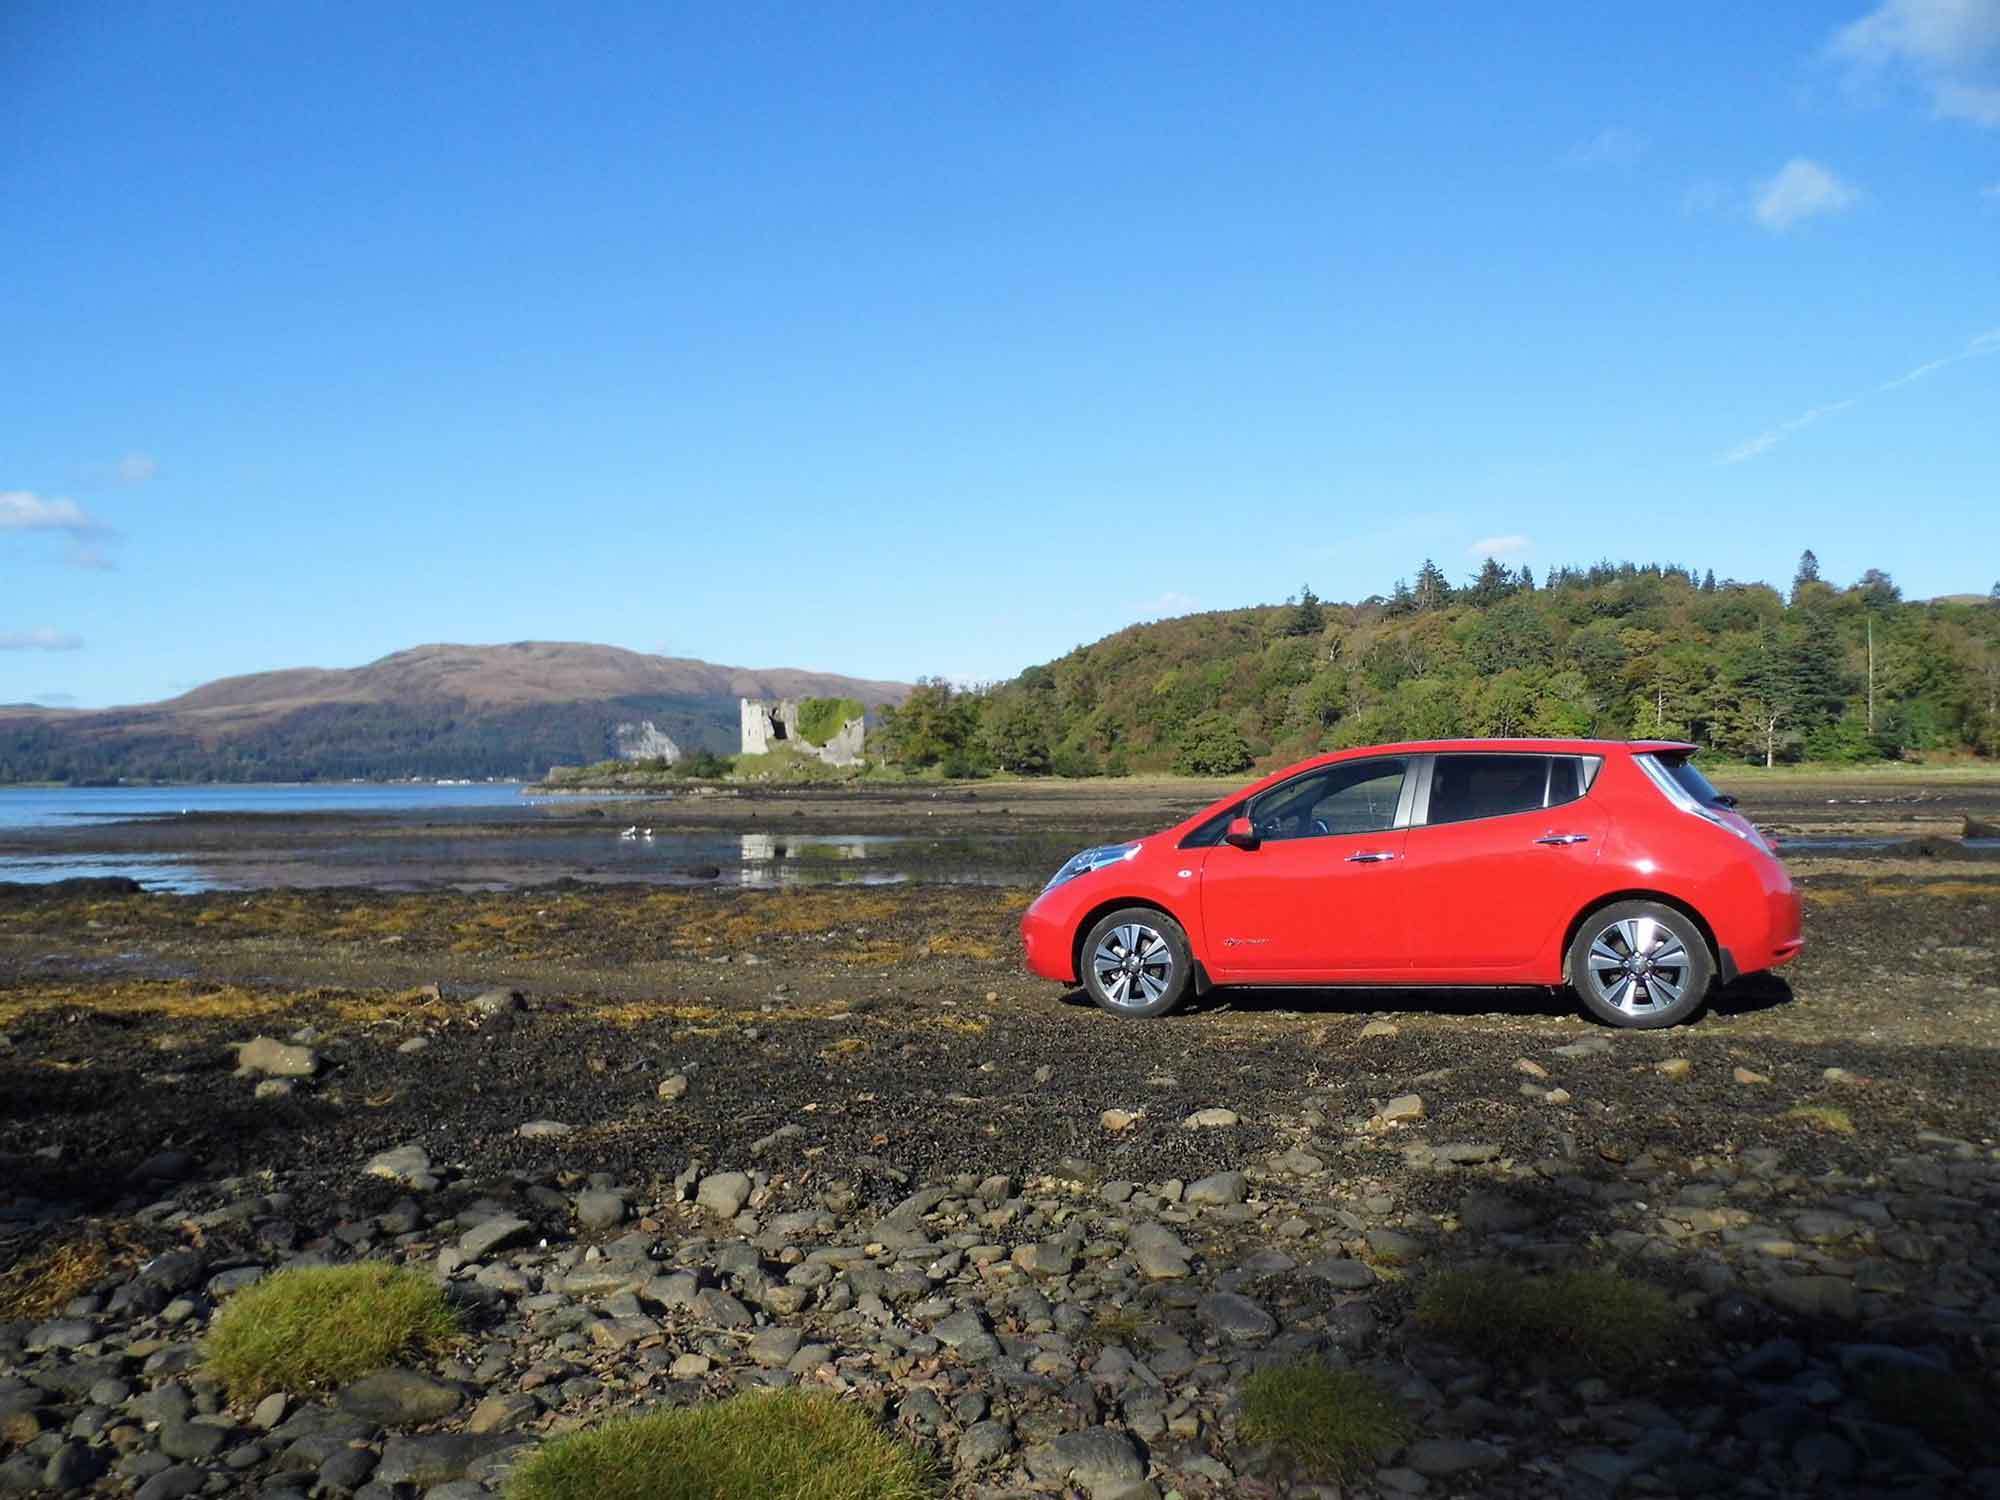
column 1319, row 896
column 1499, row 858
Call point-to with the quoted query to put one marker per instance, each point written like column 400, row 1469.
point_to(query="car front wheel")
column 1136, row 962
column 1640, row 964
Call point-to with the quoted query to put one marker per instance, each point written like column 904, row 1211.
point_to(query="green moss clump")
column 1597, row 1320
column 322, row 1326
column 1333, row 1424
column 784, row 1446
column 820, row 719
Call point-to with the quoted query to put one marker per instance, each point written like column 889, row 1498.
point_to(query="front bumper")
column 1047, row 941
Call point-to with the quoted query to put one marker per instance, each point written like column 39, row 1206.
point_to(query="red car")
column 1612, row 867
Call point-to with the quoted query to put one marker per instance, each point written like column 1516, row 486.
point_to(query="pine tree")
column 1808, row 573
column 1708, row 581
column 1306, row 618
column 1433, row 589
column 1528, row 580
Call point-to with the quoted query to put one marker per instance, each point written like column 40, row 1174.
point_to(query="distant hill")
column 431, row 711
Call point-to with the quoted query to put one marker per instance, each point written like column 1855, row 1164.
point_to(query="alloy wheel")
column 1637, row 965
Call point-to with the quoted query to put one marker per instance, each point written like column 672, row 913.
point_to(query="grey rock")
column 600, row 1210
column 774, row 1347
column 1438, row 1458
column 62, row 1333
column 724, row 1193
column 190, row 1439
column 1466, row 1153
column 543, row 1130
column 672, row 1088
column 501, row 1233
column 1402, row 1109
column 1341, row 1273
column 956, row 1328
column 401, row 1398
column 1393, row 1247
column 1100, row 1459
column 71, row 1467
column 501, row 1002
column 502, row 1413
column 1236, row 1317
column 1220, row 1188
column 278, row 1059
column 176, row 1483
column 409, row 1164
column 437, row 1459
column 984, row 1443
column 1816, row 1296
column 346, row 1469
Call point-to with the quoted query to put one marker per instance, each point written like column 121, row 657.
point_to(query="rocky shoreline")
column 1056, row 1332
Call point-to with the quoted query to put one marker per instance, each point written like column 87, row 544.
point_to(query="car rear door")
column 1320, row 897
column 1500, row 855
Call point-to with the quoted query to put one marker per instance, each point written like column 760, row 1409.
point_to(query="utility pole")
column 1871, row 674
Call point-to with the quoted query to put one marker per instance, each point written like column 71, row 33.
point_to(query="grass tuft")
column 321, row 1326
column 1943, row 1407
column 789, row 1445
column 1823, row 1117
column 1597, row 1320
column 1332, row 1423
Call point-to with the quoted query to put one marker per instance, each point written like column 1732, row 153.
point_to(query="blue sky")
column 939, row 339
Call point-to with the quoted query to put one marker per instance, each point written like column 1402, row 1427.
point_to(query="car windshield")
column 1690, row 780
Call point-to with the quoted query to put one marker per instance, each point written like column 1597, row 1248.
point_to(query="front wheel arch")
column 1104, row 909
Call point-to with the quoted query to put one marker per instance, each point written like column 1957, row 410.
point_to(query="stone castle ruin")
column 768, row 724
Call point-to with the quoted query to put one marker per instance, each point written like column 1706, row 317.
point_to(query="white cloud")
column 1498, row 546
column 1166, row 605
column 54, row 700
column 1770, row 437
column 1950, row 48
column 136, row 468
column 41, row 638
column 1992, row 191
column 1802, row 190
column 1613, row 146
column 21, row 510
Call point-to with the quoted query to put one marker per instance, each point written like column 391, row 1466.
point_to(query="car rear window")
column 1688, row 777
column 1464, row 787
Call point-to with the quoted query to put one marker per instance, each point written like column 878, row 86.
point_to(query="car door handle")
column 1370, row 857
column 1564, row 838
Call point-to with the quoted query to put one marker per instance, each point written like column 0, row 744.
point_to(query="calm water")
column 486, row 836
column 66, row 807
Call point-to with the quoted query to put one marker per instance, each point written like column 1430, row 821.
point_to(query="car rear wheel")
column 1640, row 964
column 1136, row 962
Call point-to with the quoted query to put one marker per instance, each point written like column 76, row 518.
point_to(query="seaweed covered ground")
column 1810, row 1170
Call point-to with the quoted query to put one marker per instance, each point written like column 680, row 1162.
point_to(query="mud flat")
column 834, row 1137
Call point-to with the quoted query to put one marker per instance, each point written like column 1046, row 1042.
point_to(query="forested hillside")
column 1618, row 650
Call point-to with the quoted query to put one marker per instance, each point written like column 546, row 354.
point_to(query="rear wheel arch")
column 1660, row 898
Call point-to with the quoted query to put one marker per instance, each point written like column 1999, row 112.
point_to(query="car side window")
column 1565, row 779
column 1464, row 787
column 1351, row 797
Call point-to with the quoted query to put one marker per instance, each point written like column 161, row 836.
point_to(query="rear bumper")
column 1781, row 941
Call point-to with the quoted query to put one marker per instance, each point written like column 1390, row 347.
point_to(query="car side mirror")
column 1240, row 833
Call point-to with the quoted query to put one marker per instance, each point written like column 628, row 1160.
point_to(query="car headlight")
column 1091, row 859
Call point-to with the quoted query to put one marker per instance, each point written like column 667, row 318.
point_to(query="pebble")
column 1402, row 1109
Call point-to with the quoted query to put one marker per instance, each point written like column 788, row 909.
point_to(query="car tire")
column 1640, row 964
column 1136, row 962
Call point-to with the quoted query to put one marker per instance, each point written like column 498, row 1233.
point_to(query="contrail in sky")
column 1770, row 437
